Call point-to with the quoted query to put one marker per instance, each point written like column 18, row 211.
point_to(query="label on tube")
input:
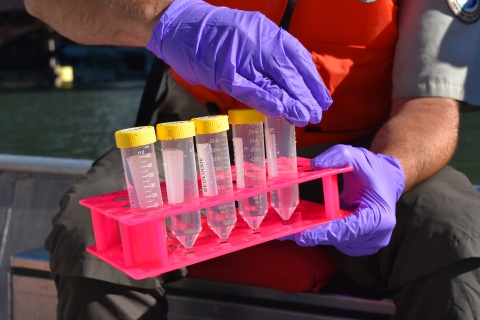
column 143, row 174
column 174, row 177
column 207, row 170
column 271, row 143
column 238, row 148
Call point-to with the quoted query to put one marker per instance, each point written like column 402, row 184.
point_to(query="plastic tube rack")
column 137, row 243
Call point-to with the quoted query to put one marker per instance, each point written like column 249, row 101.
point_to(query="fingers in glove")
column 292, row 83
column 293, row 111
column 286, row 76
column 354, row 231
column 302, row 61
column 269, row 99
column 253, row 96
column 335, row 157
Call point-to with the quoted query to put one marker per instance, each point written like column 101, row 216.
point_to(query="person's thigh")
column 450, row 293
column 85, row 298
column 435, row 234
column 437, row 225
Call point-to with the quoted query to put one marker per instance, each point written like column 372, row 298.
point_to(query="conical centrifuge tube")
column 214, row 166
column 180, row 177
column 282, row 162
column 140, row 167
column 247, row 126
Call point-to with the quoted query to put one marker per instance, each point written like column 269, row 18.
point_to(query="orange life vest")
column 352, row 44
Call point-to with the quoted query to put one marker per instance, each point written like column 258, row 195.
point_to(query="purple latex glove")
column 371, row 190
column 243, row 54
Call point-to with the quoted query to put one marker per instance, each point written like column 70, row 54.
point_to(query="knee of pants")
column 84, row 298
column 449, row 293
column 437, row 199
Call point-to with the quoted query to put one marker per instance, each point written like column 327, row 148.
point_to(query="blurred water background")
column 81, row 124
column 65, row 123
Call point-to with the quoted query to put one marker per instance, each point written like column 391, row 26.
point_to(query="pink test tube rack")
column 137, row 244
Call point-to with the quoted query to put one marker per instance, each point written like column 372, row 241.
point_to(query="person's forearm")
column 106, row 22
column 422, row 134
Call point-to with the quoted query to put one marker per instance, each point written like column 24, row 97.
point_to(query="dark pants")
column 450, row 293
column 83, row 298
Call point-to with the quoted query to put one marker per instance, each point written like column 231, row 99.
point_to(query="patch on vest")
column 467, row 10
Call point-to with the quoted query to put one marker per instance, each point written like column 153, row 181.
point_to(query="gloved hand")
column 371, row 190
column 243, row 54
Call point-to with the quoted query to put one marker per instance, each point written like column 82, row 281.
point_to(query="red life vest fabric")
column 352, row 45
column 278, row 265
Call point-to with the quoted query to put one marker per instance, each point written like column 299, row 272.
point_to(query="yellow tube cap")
column 211, row 124
column 175, row 130
column 244, row 116
column 135, row 137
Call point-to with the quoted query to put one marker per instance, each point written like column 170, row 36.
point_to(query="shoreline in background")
column 80, row 123
column 65, row 123
column 119, row 85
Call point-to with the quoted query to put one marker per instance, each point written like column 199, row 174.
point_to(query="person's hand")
column 243, row 54
column 371, row 190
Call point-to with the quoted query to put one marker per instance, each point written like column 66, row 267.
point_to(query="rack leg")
column 105, row 230
column 145, row 243
column 330, row 194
